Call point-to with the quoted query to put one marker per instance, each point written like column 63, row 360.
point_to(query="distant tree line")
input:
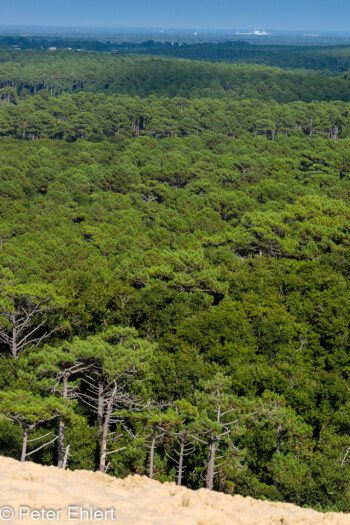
column 99, row 117
column 335, row 59
column 66, row 71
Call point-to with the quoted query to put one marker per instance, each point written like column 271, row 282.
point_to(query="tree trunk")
column 100, row 404
column 151, row 459
column 311, row 128
column 279, row 433
column 105, row 432
column 278, row 448
column 211, row 464
column 14, row 339
column 24, row 444
column 181, row 459
column 65, row 459
column 62, row 426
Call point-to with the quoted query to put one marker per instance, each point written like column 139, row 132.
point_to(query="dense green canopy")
column 175, row 272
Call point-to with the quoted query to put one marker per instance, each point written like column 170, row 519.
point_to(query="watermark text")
column 72, row 513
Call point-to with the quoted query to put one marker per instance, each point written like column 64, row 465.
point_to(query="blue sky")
column 210, row 14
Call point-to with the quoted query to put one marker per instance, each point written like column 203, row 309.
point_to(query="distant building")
column 257, row 32
column 52, row 48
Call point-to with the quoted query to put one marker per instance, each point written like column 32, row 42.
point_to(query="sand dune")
column 37, row 494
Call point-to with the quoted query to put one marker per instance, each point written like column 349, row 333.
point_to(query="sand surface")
column 37, row 494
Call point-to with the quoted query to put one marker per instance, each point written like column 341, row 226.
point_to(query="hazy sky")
column 211, row 14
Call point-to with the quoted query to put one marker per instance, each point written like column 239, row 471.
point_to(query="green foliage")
column 187, row 256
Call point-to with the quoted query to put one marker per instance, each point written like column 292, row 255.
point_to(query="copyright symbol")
column 6, row 513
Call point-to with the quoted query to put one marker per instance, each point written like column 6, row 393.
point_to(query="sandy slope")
column 136, row 500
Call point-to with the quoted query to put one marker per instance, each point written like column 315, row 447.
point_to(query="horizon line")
column 164, row 28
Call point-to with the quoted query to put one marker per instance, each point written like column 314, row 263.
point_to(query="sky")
column 315, row 15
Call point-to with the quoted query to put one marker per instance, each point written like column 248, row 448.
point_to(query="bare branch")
column 42, row 446
column 116, row 450
column 344, row 458
column 40, row 437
